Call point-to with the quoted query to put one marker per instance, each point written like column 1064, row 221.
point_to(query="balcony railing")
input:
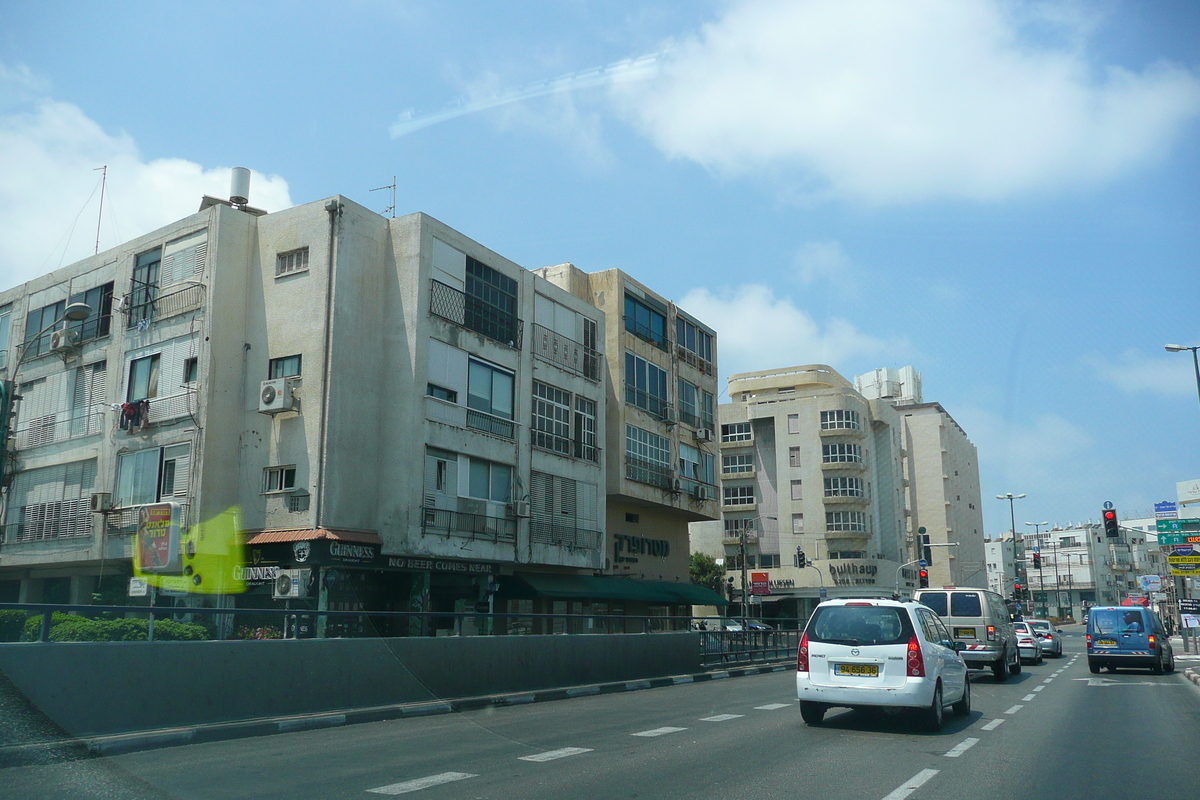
column 474, row 314
column 653, row 404
column 490, row 423
column 471, row 526
column 59, row 427
column 688, row 357
column 143, row 307
column 649, row 472
column 566, row 353
column 564, row 446
column 555, row 533
column 59, row 519
column 646, row 333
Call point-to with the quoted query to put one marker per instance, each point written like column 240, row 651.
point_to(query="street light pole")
column 1179, row 348
column 1012, row 514
column 1037, row 531
column 745, row 581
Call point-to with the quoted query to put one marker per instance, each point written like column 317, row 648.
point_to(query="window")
column 97, row 325
column 51, row 502
column 846, row 554
column 793, row 421
column 5, row 325
column 853, row 521
column 843, row 487
column 738, row 495
column 645, row 385
column 797, row 490
column 489, row 389
column 645, row 322
column 144, row 288
column 689, row 408
column 191, row 367
column 632, row 518
column 138, row 477
column 41, row 321
column 693, row 338
column 441, row 393
column 736, row 432
column 707, row 403
column 647, row 457
column 491, row 303
column 585, row 429
column 793, row 456
column 291, row 262
column 551, row 427
column 175, row 475
column 285, row 367
column 489, row 480
column 841, row 452
column 797, row 523
column 279, row 479
column 734, row 527
column 768, row 560
column 743, row 462
column 695, row 465
column 143, row 379
column 835, row 420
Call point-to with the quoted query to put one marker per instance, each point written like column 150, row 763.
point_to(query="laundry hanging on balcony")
column 135, row 416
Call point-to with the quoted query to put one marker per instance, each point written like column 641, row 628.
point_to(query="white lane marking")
column 1047, row 680
column 422, row 783
column 912, row 784
column 721, row 717
column 550, row 755
column 961, row 747
column 659, row 732
column 1038, row 688
column 1029, row 697
column 773, row 706
column 991, row 726
column 1014, row 709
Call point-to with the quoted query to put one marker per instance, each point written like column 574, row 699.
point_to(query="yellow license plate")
column 1106, row 642
column 964, row 633
column 865, row 670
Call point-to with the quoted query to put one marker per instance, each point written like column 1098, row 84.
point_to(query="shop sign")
column 783, row 583
column 853, row 574
column 638, row 545
column 760, row 583
column 255, row 575
column 440, row 565
column 157, row 548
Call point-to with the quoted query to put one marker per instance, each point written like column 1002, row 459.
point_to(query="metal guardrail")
column 472, row 526
column 151, row 308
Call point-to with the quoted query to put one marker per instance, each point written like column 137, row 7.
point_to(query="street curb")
column 1192, row 676
column 116, row 744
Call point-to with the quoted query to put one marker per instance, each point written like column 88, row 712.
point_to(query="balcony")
column 60, row 427
column 846, row 500
column 855, row 466
column 58, row 519
column 688, row 357
column 474, row 314
column 561, row 535
column 651, row 404
column 738, row 504
column 143, row 306
column 471, row 526
column 458, row 416
column 698, row 490
column 566, row 353
column 739, row 474
column 854, row 433
column 561, row 445
column 649, row 472
column 736, row 541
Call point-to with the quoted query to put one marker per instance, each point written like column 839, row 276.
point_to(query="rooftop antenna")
column 100, row 216
column 392, row 207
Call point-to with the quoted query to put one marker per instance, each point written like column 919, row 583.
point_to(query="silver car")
column 1049, row 636
column 1028, row 643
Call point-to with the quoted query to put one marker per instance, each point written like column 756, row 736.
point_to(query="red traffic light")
column 1112, row 528
column 1016, row 587
column 1110, row 515
column 923, row 583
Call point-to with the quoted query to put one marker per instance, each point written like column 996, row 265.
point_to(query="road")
column 1054, row 731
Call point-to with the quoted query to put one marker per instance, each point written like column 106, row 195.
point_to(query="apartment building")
column 941, row 466
column 409, row 419
column 808, row 463
column 661, row 406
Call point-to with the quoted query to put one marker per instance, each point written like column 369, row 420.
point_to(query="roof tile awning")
column 590, row 587
column 312, row 534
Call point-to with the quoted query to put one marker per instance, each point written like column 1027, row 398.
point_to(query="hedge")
column 71, row 628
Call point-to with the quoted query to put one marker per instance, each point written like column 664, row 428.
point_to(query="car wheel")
column 1040, row 660
column 1000, row 669
column 936, row 712
column 1157, row 667
column 1171, row 663
column 1094, row 667
column 812, row 713
column 963, row 706
column 1016, row 668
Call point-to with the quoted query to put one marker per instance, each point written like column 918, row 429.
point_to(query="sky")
column 1004, row 195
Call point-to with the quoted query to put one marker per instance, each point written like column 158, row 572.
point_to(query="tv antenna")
column 100, row 216
column 392, row 207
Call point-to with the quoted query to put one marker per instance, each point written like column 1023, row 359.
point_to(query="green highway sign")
column 1177, row 525
column 1179, row 538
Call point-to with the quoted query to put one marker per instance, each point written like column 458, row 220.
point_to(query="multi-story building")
column 808, row 463
column 1001, row 566
column 415, row 420
column 941, row 466
column 660, row 442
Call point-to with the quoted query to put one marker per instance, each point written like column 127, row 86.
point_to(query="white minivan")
column 881, row 653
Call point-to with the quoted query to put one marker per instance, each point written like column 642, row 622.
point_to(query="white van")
column 979, row 619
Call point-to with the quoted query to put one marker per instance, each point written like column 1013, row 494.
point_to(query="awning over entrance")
column 575, row 587
column 312, row 534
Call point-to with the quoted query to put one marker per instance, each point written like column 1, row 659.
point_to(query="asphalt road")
column 1054, row 731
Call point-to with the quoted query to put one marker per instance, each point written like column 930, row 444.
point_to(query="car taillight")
column 1151, row 641
column 916, row 661
column 1089, row 641
column 802, row 654
column 991, row 633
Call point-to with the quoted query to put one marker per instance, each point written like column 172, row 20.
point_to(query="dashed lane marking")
column 1029, row 697
column 659, row 732
column 422, row 783
column 911, row 785
column 1038, row 688
column 721, row 717
column 1014, row 709
column 961, row 747
column 991, row 726
column 551, row 755
column 1048, row 680
column 773, row 706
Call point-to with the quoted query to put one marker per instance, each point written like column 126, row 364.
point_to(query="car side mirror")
column 959, row 646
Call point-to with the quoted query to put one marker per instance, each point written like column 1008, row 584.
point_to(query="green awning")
column 589, row 587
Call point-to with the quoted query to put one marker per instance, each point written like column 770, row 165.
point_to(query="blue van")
column 1127, row 636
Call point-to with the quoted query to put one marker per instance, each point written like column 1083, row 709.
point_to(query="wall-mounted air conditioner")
column 704, row 435
column 291, row 583
column 520, row 508
column 64, row 339
column 278, row 395
column 101, row 502
column 676, row 485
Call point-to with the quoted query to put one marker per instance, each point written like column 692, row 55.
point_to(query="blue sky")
column 1002, row 194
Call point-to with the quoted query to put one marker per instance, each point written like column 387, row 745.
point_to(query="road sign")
column 1190, row 524
column 824, row 593
column 1183, row 550
column 1178, row 538
column 1174, row 560
column 138, row 587
column 1186, row 569
column 1108, row 505
column 1165, row 510
column 924, row 563
column 1188, row 605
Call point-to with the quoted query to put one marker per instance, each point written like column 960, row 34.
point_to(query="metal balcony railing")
column 59, row 427
column 688, row 357
column 556, row 533
column 565, row 446
column 143, row 306
column 471, row 526
column 649, row 472
column 566, row 353
column 653, row 404
column 475, row 314
column 490, row 423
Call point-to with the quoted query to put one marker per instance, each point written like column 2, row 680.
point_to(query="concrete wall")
column 93, row 689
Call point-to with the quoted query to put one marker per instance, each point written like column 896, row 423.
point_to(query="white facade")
column 1001, row 566
column 897, row 386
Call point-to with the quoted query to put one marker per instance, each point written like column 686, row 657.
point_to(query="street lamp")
column 1037, row 529
column 1012, row 515
column 1179, row 348
column 745, row 581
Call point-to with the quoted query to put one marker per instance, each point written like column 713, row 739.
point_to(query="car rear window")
column 1041, row 626
column 965, row 604
column 935, row 601
column 860, row 625
column 1112, row 620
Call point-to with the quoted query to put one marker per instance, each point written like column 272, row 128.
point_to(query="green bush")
column 12, row 623
column 70, row 628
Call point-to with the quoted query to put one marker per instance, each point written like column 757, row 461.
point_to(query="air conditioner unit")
column 520, row 508
column 702, row 493
column 278, row 395
column 291, row 583
column 668, row 415
column 704, row 435
column 101, row 502
column 676, row 485
column 64, row 339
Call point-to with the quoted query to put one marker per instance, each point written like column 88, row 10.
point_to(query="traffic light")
column 923, row 583
column 801, row 559
column 1016, row 591
column 1037, row 560
column 1111, row 529
column 729, row 587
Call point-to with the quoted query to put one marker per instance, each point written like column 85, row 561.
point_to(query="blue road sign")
column 824, row 593
column 924, row 563
column 1108, row 504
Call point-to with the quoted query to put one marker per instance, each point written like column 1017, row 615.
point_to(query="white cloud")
column 49, row 155
column 1167, row 374
column 822, row 261
column 756, row 330
column 889, row 102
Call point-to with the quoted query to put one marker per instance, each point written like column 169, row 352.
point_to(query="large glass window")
column 645, row 385
column 143, row 379
column 694, row 339
column 145, row 287
column 695, row 465
column 490, row 389
column 689, row 407
column 41, row 321
column 835, row 420
column 489, row 480
column 645, row 322
column 491, row 303
column 842, row 486
column 99, row 299
column 551, row 428
column 740, row 462
column 736, row 432
column 585, row 429
column 707, row 404
column 137, row 477
column 841, row 452
column 647, row 457
column 851, row 521
column 738, row 495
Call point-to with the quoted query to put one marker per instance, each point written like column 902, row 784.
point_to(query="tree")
column 703, row 570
